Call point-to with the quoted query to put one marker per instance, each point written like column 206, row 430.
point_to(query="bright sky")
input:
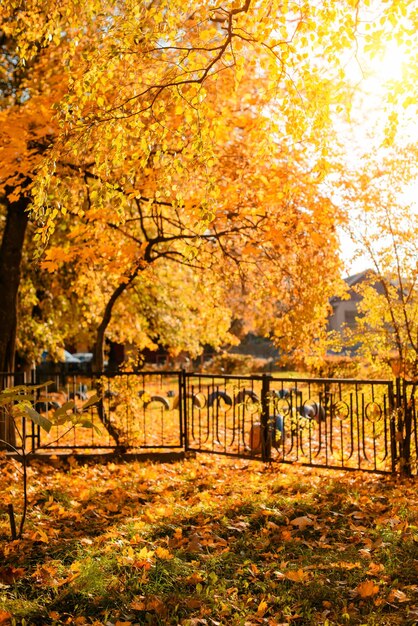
column 375, row 77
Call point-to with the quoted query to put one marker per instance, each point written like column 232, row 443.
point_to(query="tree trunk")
column 11, row 251
column 98, row 358
column 98, row 349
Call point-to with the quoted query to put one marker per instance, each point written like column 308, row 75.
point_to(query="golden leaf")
column 297, row 576
column 145, row 553
column 163, row 554
column 194, row 579
column 262, row 608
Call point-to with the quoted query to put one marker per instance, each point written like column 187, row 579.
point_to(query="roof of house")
column 351, row 281
column 358, row 278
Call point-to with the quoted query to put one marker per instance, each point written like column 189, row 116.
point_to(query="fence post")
column 265, row 419
column 183, row 410
column 405, row 427
column 393, row 411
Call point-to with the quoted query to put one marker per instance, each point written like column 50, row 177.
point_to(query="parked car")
column 85, row 359
column 67, row 364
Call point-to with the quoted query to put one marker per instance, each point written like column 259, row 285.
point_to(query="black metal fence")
column 335, row 423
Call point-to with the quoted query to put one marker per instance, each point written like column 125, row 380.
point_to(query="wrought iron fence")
column 335, row 423
column 134, row 411
column 347, row 424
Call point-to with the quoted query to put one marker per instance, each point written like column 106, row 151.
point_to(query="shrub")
column 227, row 363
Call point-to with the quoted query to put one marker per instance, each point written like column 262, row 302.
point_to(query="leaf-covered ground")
column 209, row 541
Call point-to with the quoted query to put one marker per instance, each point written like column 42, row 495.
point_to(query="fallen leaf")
column 9, row 574
column 163, row 554
column 194, row 544
column 138, row 605
column 367, row 589
column 144, row 553
column 262, row 608
column 194, row 578
column 54, row 615
column 5, row 617
column 302, row 522
column 286, row 535
column 375, row 568
column 398, row 596
column 297, row 576
column 193, row 603
column 346, row 565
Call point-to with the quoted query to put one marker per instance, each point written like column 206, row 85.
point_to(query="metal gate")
column 345, row 424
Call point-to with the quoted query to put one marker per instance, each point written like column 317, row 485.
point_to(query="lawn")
column 209, row 540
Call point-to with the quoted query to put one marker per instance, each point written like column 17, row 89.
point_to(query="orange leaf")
column 375, row 568
column 54, row 615
column 367, row 589
column 138, row 605
column 286, row 535
column 9, row 574
column 398, row 595
column 194, row 579
column 5, row 617
column 297, row 576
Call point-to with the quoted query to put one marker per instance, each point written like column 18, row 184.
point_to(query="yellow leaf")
column 262, row 608
column 163, row 553
column 145, row 554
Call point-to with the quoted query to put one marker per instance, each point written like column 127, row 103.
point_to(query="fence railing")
column 337, row 423
column 348, row 424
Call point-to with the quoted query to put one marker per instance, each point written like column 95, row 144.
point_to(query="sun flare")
column 387, row 65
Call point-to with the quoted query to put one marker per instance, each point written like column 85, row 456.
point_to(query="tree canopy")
column 181, row 133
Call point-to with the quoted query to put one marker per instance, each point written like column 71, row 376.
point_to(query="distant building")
column 344, row 312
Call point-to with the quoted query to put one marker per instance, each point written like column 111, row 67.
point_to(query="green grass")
column 210, row 541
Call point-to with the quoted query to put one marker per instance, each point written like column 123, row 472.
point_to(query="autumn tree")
column 384, row 230
column 269, row 224
column 385, row 234
column 34, row 45
column 120, row 91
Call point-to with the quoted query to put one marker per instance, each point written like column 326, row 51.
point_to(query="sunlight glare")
column 387, row 65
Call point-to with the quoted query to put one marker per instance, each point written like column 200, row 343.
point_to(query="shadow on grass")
column 199, row 543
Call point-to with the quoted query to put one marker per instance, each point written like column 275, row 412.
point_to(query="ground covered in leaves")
column 209, row 541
